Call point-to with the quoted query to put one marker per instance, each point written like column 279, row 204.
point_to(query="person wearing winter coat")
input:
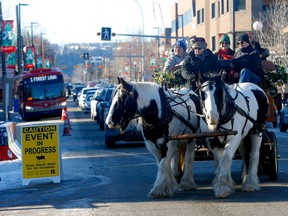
column 225, row 53
column 200, row 61
column 247, row 62
column 177, row 56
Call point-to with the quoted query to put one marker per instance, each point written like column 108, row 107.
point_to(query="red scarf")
column 225, row 54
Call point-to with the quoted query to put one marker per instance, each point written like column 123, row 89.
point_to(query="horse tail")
column 263, row 109
column 182, row 150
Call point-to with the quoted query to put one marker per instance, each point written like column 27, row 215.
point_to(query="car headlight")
column 28, row 108
column 63, row 103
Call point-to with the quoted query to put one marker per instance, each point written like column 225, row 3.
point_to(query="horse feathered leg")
column 165, row 184
column 223, row 184
column 251, row 181
column 187, row 181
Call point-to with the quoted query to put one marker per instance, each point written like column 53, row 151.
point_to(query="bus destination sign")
column 42, row 78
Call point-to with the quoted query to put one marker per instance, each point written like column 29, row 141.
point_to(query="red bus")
column 41, row 93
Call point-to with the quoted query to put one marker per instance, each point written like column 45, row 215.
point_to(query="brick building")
column 209, row 18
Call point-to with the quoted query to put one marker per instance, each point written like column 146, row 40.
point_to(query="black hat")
column 244, row 37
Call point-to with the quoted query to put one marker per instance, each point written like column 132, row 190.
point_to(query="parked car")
column 98, row 95
column 82, row 95
column 283, row 122
column 132, row 134
column 102, row 105
column 76, row 90
column 87, row 101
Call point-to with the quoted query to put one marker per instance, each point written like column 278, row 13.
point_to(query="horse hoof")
column 187, row 186
column 157, row 195
column 162, row 191
column 250, row 188
column 223, row 191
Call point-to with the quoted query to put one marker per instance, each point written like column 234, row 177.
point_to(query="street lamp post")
column 143, row 52
column 135, row 70
column 32, row 39
column 158, row 45
column 19, row 37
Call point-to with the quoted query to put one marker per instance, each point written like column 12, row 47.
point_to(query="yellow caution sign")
column 40, row 153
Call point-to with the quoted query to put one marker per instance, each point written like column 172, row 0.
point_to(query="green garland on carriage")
column 170, row 79
column 278, row 77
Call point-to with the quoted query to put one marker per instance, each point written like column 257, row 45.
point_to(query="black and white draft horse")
column 241, row 107
column 161, row 114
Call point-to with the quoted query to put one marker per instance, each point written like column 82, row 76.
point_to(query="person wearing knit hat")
column 247, row 62
column 226, row 53
column 198, row 42
column 200, row 61
column 244, row 38
column 178, row 55
column 224, row 38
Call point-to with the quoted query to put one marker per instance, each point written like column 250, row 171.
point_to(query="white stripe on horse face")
column 211, row 111
column 108, row 120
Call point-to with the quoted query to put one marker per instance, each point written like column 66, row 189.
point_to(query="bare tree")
column 272, row 36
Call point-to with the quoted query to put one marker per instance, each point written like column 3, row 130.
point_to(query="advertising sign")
column 40, row 153
column 30, row 57
column 8, row 36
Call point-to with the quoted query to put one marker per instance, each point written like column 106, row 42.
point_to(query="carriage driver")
column 200, row 60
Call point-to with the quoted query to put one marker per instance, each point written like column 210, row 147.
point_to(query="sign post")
column 41, row 157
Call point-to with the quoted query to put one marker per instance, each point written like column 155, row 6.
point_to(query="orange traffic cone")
column 63, row 116
column 66, row 131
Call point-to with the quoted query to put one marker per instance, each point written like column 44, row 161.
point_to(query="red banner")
column 8, row 36
column 30, row 57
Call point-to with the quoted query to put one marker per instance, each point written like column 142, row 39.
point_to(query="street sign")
column 106, row 34
column 86, row 56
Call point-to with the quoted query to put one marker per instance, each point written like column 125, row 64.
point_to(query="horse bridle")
column 229, row 103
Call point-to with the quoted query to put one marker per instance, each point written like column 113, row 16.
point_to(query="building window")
column 218, row 8
column 213, row 43
column 213, row 10
column 222, row 6
column 198, row 17
column 202, row 15
column 227, row 5
column 240, row 5
column 194, row 7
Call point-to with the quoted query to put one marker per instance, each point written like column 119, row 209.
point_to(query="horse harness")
column 231, row 109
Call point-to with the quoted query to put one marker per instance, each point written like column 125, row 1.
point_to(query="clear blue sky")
column 78, row 21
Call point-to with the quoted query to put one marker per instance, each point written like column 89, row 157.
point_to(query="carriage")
column 171, row 120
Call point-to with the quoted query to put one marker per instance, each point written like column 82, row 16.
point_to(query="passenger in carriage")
column 264, row 53
column 247, row 62
column 224, row 55
column 177, row 56
column 200, row 60
column 224, row 52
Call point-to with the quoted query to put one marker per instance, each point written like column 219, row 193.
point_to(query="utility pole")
column 3, row 59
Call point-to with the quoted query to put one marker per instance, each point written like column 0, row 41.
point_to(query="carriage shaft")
column 201, row 135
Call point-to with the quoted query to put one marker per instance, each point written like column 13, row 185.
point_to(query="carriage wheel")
column 272, row 170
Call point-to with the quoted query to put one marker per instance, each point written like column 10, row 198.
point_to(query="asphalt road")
column 101, row 181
